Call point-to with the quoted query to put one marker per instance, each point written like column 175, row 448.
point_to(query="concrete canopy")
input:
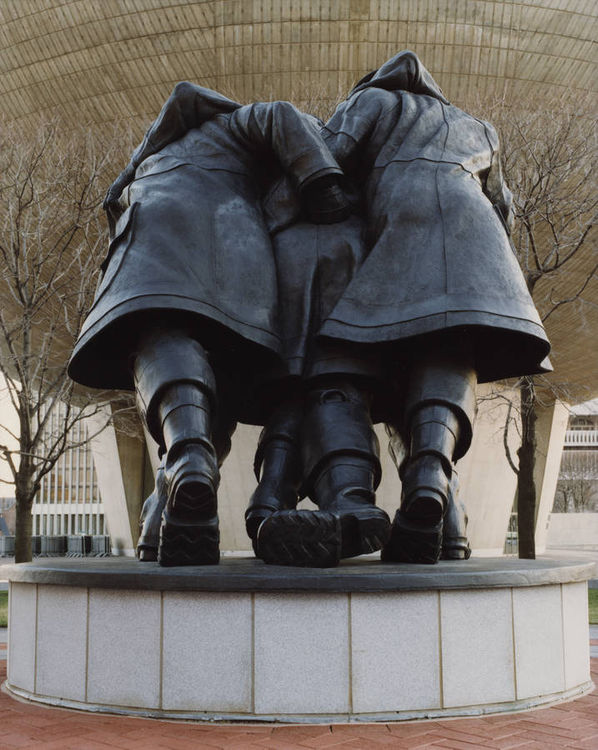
column 118, row 58
column 102, row 61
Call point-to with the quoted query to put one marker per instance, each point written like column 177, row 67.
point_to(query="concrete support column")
column 488, row 483
column 237, row 482
column 550, row 431
column 152, row 451
column 124, row 481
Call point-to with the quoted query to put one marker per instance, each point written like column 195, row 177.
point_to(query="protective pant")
column 175, row 389
column 341, row 470
column 338, row 432
column 436, row 431
column 154, row 505
column 454, row 529
column 277, row 466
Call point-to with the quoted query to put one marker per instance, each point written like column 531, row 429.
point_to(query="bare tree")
column 52, row 238
column 550, row 163
column 577, row 487
column 576, row 494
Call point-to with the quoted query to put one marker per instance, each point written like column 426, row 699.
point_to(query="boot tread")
column 189, row 544
column 300, row 538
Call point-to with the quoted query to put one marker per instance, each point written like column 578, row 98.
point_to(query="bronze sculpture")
column 185, row 302
column 392, row 314
column 439, row 301
column 450, row 298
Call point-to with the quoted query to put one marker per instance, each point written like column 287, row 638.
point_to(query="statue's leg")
column 439, row 413
column 277, row 467
column 455, row 545
column 151, row 518
column 342, row 470
column 154, row 505
column 175, row 393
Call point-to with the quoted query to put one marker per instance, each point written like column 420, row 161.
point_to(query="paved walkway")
column 569, row 725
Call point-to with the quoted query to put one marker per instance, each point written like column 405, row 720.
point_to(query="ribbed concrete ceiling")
column 101, row 60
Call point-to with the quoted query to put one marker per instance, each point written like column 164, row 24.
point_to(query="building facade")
column 577, row 488
column 69, row 500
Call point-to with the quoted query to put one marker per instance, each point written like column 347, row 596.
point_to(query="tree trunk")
column 526, row 488
column 23, row 529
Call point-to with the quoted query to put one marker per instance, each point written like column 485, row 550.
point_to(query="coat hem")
column 388, row 332
column 99, row 337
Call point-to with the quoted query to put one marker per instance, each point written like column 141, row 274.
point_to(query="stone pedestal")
column 246, row 641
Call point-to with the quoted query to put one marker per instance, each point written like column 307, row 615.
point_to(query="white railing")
column 581, row 437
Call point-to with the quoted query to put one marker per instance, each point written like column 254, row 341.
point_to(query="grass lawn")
column 4, row 608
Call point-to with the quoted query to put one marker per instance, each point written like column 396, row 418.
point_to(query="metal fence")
column 7, row 546
column 80, row 545
column 512, row 538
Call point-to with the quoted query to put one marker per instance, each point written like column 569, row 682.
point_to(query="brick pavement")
column 570, row 725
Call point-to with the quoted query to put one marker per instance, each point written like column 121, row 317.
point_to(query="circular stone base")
column 244, row 641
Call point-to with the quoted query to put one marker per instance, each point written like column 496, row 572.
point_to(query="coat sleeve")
column 281, row 130
column 494, row 185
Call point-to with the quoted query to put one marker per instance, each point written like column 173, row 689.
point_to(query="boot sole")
column 425, row 507
column 193, row 497
column 425, row 491
column 300, row 538
column 256, row 515
column 319, row 539
column 189, row 531
column 147, row 553
column 455, row 549
column 188, row 544
column 413, row 543
column 364, row 532
column 253, row 522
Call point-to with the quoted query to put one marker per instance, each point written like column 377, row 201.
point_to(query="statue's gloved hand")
column 325, row 201
column 125, row 178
